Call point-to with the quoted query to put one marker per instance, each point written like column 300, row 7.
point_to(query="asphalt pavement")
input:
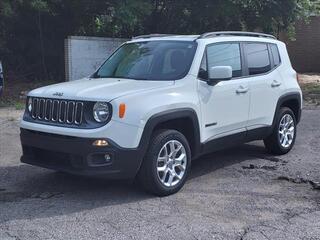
column 240, row 193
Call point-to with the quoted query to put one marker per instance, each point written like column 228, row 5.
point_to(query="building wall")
column 305, row 50
column 83, row 55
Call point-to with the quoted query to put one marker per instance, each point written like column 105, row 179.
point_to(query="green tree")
column 32, row 32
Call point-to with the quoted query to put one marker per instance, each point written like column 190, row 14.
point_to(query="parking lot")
column 242, row 193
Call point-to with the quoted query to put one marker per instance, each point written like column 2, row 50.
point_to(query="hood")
column 102, row 89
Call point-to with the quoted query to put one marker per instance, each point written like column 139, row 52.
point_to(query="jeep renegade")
column 160, row 101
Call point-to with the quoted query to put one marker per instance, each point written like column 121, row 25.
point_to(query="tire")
column 275, row 143
column 158, row 157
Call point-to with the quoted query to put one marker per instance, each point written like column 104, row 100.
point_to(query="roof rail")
column 235, row 33
column 152, row 35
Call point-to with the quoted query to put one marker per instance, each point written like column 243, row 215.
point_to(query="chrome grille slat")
column 47, row 114
column 41, row 108
column 57, row 111
column 38, row 108
column 78, row 113
column 34, row 108
column 62, row 111
column 54, row 111
column 70, row 109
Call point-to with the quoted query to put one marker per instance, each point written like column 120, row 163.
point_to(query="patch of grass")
column 10, row 103
column 14, row 92
column 311, row 88
column 311, row 93
column 11, row 119
column 19, row 105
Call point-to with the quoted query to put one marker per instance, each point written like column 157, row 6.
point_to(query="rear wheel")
column 283, row 136
column 167, row 162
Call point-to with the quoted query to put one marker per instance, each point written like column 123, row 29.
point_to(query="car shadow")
column 211, row 162
column 23, row 183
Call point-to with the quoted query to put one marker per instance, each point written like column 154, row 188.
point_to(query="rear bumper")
column 78, row 155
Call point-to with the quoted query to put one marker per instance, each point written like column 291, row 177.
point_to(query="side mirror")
column 219, row 73
column 1, row 79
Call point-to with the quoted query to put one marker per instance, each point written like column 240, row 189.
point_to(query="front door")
column 225, row 105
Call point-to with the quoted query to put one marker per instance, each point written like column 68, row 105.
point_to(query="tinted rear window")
column 258, row 58
column 275, row 55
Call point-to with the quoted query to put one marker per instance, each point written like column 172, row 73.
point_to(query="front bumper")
column 78, row 156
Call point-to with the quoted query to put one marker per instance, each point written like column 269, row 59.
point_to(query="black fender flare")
column 164, row 116
column 286, row 97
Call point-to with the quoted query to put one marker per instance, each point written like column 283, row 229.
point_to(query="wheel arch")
column 184, row 120
column 292, row 101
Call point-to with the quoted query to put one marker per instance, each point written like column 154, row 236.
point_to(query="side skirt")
column 235, row 139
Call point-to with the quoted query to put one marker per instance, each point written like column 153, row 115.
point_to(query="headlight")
column 29, row 104
column 101, row 112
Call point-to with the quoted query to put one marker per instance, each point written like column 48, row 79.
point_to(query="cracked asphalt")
column 240, row 193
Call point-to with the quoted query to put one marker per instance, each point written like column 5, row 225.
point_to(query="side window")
column 275, row 55
column 225, row 54
column 258, row 58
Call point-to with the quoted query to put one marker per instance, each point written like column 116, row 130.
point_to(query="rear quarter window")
column 258, row 59
column 275, row 55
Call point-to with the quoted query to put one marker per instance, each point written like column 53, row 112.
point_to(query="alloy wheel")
column 286, row 130
column 171, row 163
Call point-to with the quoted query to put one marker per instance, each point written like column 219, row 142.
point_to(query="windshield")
column 153, row 60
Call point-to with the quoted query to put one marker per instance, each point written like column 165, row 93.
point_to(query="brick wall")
column 305, row 50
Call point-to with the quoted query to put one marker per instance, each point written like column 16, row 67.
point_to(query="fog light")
column 99, row 159
column 107, row 157
column 100, row 143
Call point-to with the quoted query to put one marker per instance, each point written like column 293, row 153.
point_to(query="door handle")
column 275, row 83
column 242, row 89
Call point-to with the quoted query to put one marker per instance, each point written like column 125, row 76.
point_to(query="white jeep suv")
column 160, row 101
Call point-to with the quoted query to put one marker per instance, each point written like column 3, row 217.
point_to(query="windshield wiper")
column 132, row 78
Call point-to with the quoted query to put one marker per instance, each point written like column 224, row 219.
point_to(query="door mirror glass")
column 1, row 79
column 220, row 73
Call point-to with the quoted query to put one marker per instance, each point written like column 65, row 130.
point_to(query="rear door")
column 262, row 60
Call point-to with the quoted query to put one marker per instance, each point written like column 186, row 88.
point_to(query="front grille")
column 57, row 111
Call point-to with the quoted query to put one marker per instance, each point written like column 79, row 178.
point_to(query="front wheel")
column 284, row 133
column 167, row 162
